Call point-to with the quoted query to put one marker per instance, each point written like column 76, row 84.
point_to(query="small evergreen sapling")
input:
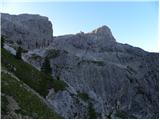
column 19, row 53
column 46, row 68
column 2, row 41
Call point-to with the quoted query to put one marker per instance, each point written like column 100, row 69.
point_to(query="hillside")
column 22, row 89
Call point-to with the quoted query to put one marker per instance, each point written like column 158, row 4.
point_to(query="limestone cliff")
column 29, row 31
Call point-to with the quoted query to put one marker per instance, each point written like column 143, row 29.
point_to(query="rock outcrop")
column 26, row 30
column 106, row 79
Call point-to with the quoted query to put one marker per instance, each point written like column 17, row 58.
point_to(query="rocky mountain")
column 118, row 80
column 29, row 31
column 104, row 78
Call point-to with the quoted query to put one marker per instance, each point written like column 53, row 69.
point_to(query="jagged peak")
column 102, row 30
column 103, row 33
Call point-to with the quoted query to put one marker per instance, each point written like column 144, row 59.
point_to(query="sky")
column 133, row 22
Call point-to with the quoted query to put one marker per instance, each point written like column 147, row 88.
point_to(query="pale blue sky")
column 135, row 23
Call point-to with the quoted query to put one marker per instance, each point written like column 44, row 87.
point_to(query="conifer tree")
column 19, row 53
column 91, row 112
column 46, row 68
column 2, row 41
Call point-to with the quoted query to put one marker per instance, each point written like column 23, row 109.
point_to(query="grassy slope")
column 40, row 82
column 37, row 80
column 30, row 104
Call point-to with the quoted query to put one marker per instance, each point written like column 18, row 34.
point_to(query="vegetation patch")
column 53, row 53
column 59, row 85
column 91, row 112
column 36, row 57
column 37, row 80
column 83, row 96
column 99, row 63
column 30, row 104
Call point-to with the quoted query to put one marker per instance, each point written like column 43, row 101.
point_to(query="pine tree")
column 46, row 68
column 19, row 53
column 91, row 112
column 2, row 41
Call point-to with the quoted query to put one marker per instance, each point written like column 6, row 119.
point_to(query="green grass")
column 30, row 104
column 59, row 85
column 83, row 96
column 37, row 80
column 98, row 62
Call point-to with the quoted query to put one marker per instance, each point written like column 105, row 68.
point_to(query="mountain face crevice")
column 105, row 79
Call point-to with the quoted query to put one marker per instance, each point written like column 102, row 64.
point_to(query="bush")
column 83, row 96
column 91, row 112
column 59, row 85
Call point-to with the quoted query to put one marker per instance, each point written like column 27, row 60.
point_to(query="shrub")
column 83, row 96
column 91, row 112
column 59, row 85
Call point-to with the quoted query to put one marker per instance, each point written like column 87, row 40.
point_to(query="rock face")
column 105, row 79
column 29, row 31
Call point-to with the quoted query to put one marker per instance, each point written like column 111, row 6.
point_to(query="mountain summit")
column 102, row 30
column 103, row 33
